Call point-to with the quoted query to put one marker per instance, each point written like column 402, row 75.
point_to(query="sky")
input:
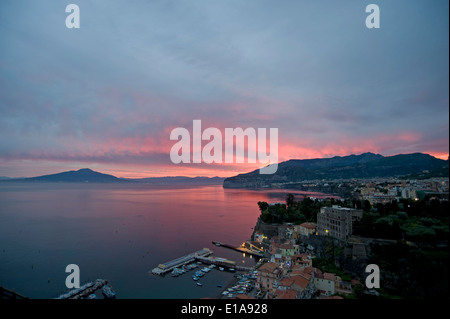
column 108, row 94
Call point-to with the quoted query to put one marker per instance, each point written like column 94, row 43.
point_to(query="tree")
column 263, row 206
column 289, row 200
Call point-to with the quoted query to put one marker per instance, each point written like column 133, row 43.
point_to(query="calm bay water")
column 120, row 233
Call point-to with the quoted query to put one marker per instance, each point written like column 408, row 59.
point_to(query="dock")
column 218, row 261
column 184, row 260
column 84, row 290
column 223, row 262
column 240, row 249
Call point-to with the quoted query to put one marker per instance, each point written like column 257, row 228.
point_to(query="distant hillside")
column 440, row 172
column 86, row 175
column 367, row 165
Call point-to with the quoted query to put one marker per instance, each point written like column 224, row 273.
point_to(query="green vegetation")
column 411, row 272
column 416, row 266
column 294, row 211
column 327, row 265
column 421, row 221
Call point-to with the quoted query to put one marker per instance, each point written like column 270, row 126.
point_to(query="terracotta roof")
column 268, row 267
column 297, row 267
column 286, row 294
column 298, row 272
column 309, row 225
column 306, row 275
column 286, row 282
column 328, row 276
column 300, row 282
column 311, row 270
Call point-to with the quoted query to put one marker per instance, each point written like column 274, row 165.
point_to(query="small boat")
column 195, row 278
column 92, row 296
column 108, row 292
column 232, row 269
column 176, row 272
column 221, row 268
column 219, row 286
column 199, row 284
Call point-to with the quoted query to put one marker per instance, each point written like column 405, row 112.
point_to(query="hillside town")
column 288, row 271
column 325, row 259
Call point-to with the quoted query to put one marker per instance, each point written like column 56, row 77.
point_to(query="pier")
column 84, row 291
column 222, row 262
column 170, row 265
column 240, row 249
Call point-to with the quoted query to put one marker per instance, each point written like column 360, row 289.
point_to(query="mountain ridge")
column 366, row 165
column 87, row 175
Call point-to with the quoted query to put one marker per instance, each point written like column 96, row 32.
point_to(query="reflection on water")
column 119, row 233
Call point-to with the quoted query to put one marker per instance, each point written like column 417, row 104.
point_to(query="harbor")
column 203, row 256
column 241, row 282
column 184, row 260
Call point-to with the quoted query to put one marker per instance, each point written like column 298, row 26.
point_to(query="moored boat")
column 108, row 292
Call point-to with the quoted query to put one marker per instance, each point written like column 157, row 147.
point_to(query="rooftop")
column 300, row 281
column 309, row 225
column 286, row 294
column 328, row 276
column 268, row 267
